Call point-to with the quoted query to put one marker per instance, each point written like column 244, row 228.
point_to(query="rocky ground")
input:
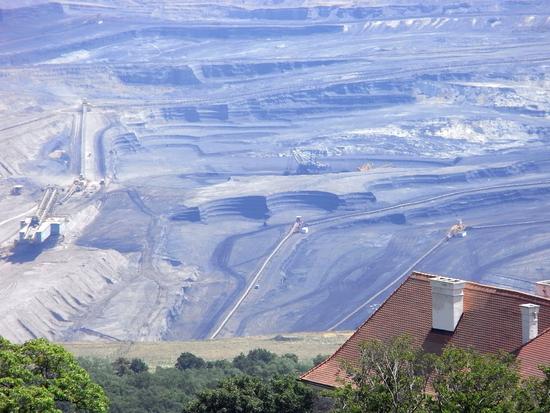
column 202, row 131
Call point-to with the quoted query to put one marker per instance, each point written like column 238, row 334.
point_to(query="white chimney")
column 529, row 321
column 447, row 302
column 543, row 288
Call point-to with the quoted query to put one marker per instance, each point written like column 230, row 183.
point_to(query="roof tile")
column 491, row 322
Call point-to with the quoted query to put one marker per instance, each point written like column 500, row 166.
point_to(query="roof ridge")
column 483, row 287
column 425, row 275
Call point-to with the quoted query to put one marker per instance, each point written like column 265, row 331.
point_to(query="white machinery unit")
column 40, row 227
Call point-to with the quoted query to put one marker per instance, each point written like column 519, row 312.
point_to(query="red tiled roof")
column 491, row 321
column 533, row 354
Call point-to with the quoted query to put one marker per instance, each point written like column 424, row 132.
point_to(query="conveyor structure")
column 40, row 227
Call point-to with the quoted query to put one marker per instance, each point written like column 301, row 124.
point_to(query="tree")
column 121, row 366
column 466, row 381
column 242, row 394
column 393, row 377
column 291, row 396
column 38, row 376
column 219, row 364
column 253, row 358
column 533, row 395
column 246, row 394
column 138, row 366
column 265, row 364
column 189, row 361
column 318, row 359
column 389, row 377
column 169, row 389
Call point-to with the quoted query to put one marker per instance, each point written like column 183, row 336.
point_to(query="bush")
column 189, row 361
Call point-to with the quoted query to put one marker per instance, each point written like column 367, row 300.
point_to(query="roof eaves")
column 316, row 384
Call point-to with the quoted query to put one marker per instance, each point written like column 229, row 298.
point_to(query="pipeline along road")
column 255, row 279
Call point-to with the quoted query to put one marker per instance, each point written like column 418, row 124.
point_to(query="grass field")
column 304, row 345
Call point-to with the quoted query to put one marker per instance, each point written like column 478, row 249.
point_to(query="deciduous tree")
column 470, row 382
column 138, row 366
column 389, row 377
column 533, row 396
column 189, row 361
column 38, row 376
column 246, row 394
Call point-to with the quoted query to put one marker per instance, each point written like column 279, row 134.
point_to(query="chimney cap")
column 447, row 280
column 451, row 285
column 530, row 305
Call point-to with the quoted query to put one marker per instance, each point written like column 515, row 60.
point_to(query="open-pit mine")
column 182, row 170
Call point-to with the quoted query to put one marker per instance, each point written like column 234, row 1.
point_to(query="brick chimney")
column 447, row 302
column 529, row 321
